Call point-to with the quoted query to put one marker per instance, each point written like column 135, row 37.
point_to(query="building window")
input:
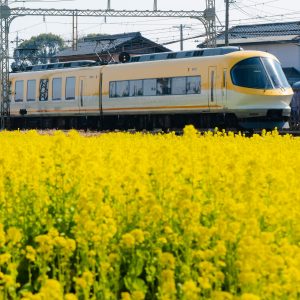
column 193, row 85
column 44, row 89
column 70, row 88
column 122, row 88
column 163, row 86
column 31, row 90
column 19, row 90
column 56, row 88
column 149, row 87
column 136, row 88
column 178, row 86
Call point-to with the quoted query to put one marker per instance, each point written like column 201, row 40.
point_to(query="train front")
column 259, row 93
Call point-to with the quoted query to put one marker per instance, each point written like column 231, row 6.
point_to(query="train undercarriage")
column 149, row 122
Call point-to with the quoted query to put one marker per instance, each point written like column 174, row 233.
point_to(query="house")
column 280, row 39
column 107, row 48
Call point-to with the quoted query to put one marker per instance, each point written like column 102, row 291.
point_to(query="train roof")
column 133, row 59
column 185, row 54
column 59, row 65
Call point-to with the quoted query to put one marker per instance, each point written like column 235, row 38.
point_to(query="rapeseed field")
column 142, row 216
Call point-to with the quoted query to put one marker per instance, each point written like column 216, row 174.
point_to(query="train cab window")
column 135, row 88
column 275, row 72
column 149, row 87
column 178, row 86
column 44, row 83
column 250, row 73
column 193, row 84
column 122, row 88
column 56, row 88
column 19, row 90
column 70, row 88
column 163, row 86
column 31, row 90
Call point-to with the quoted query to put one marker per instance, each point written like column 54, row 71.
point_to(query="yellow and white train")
column 225, row 87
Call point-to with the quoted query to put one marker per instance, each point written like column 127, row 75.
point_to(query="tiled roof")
column 284, row 30
column 102, row 43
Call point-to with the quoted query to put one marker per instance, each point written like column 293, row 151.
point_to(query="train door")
column 224, row 87
column 82, row 94
column 101, row 97
column 212, row 97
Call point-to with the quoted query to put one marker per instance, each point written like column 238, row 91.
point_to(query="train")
column 225, row 87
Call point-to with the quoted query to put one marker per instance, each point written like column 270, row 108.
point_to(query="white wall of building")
column 288, row 53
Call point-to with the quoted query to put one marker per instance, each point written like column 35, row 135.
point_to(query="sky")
column 160, row 30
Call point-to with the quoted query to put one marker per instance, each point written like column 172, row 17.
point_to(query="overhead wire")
column 160, row 34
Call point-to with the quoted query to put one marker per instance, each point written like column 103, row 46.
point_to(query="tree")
column 38, row 49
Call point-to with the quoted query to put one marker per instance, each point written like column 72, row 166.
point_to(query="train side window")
column 56, row 88
column 122, row 88
column 70, row 88
column 193, row 84
column 31, row 90
column 149, row 87
column 178, row 86
column 163, row 86
column 19, row 90
column 112, row 89
column 44, row 83
column 136, row 88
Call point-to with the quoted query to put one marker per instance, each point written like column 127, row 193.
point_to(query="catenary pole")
column 7, row 14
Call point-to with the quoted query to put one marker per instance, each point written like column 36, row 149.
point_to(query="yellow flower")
column 137, row 295
column 52, row 290
column 70, row 297
column 138, row 235
column 2, row 236
column 190, row 290
column 4, row 258
column 128, row 240
column 14, row 235
column 125, row 296
column 248, row 296
column 167, row 260
column 30, row 253
column 216, row 295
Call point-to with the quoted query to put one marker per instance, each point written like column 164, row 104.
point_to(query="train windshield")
column 275, row 72
column 259, row 73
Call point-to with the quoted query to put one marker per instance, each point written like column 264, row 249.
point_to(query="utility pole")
column 5, row 20
column 74, row 31
column 181, row 34
column 226, row 22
